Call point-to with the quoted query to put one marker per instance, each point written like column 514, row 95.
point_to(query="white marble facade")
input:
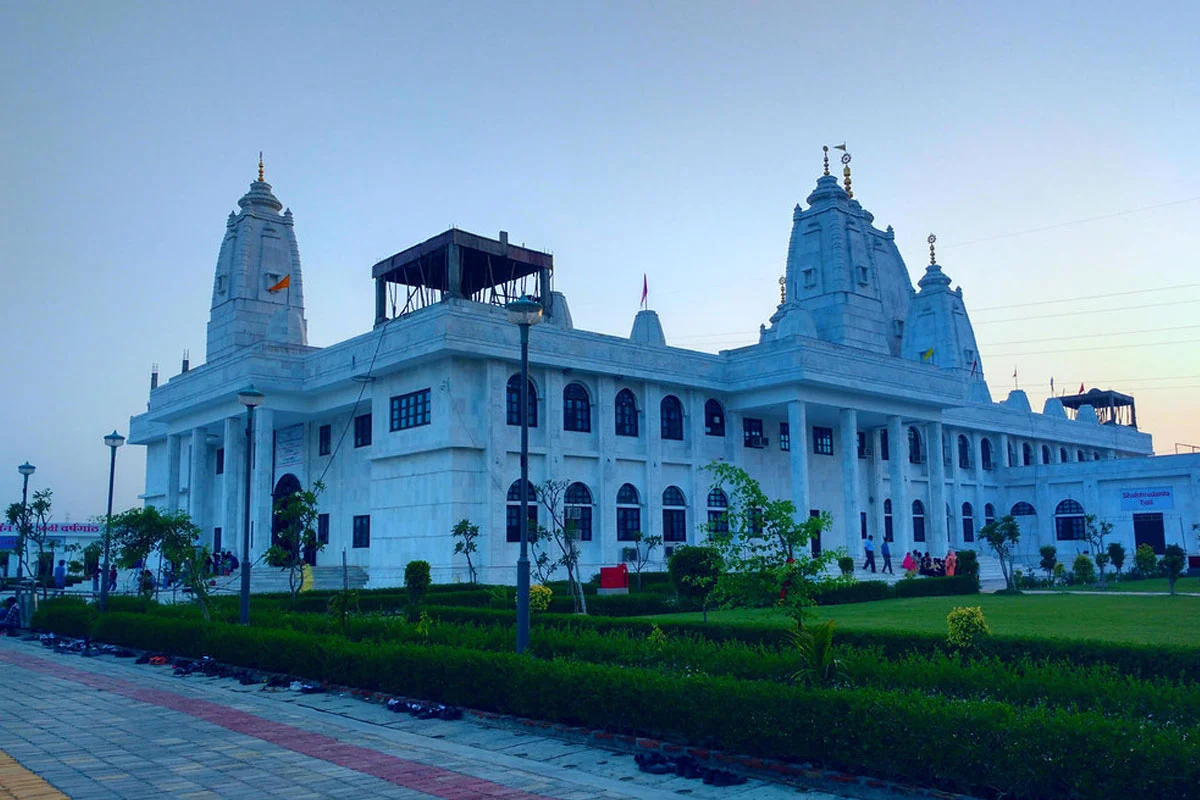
column 845, row 365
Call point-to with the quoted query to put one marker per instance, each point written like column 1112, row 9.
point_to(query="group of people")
column 926, row 564
column 223, row 563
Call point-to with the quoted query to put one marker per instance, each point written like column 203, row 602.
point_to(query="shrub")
column 968, row 564
column 416, row 578
column 857, row 592
column 1049, row 558
column 815, row 646
column 1173, row 562
column 1084, row 569
column 694, row 572
column 938, row 587
column 966, row 626
column 539, row 597
column 1145, row 562
column 846, row 565
column 1060, row 573
column 1116, row 554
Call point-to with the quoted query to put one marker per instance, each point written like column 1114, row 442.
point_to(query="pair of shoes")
column 311, row 688
column 653, row 764
column 157, row 661
column 723, row 777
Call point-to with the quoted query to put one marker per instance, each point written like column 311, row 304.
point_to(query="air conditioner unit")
column 757, row 442
column 574, row 512
column 629, row 554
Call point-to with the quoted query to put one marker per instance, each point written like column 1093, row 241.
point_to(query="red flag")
column 645, row 289
column 1081, row 387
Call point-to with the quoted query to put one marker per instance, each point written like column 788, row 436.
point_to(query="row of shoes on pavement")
column 686, row 767
column 424, row 710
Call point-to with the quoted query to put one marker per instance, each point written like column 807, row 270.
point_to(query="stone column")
column 797, row 457
column 698, row 499
column 935, row 514
column 652, row 438
column 173, row 469
column 875, row 512
column 199, row 480
column 898, row 488
column 848, row 427
column 262, row 479
column 981, row 473
column 233, row 486
column 1003, row 457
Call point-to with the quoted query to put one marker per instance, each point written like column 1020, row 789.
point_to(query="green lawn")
column 1148, row 585
column 1145, row 620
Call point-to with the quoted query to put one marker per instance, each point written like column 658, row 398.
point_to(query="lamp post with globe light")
column 113, row 440
column 250, row 398
column 26, row 470
column 524, row 312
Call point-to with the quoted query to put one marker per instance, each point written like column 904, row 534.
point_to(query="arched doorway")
column 287, row 485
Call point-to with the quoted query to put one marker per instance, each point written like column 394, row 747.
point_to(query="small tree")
column 416, row 578
column 138, row 532
column 1145, row 561
column 1116, row 554
column 1172, row 564
column 694, row 571
column 643, row 548
column 564, row 535
column 1093, row 533
column 1002, row 535
column 1049, row 559
column 1083, row 569
column 465, row 534
column 297, row 535
column 31, row 521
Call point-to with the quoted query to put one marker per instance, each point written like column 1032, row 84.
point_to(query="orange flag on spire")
column 283, row 284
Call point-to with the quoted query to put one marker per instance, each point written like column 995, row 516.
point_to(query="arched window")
column 627, row 414
column 985, row 453
column 512, row 402
column 1079, row 455
column 1068, row 521
column 914, row 447
column 714, row 418
column 1023, row 509
column 888, row 530
column 918, row 517
column 512, row 523
column 989, row 514
column 1045, row 454
column 672, row 417
column 1026, row 454
column 718, row 512
column 577, row 506
column 968, row 523
column 674, row 515
column 1062, row 455
column 964, row 452
column 1095, row 455
column 577, row 409
column 629, row 513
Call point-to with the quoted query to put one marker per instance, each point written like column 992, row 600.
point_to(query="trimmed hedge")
column 1028, row 752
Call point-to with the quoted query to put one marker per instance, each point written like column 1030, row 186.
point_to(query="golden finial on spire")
column 846, row 176
column 783, row 287
column 932, row 256
column 825, row 147
column 260, row 167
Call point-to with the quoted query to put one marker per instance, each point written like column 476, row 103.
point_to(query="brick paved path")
column 106, row 728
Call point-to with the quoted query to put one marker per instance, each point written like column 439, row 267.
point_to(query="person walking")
column 886, row 552
column 112, row 578
column 60, row 576
column 869, row 546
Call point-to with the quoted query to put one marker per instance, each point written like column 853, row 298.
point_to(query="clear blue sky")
column 671, row 139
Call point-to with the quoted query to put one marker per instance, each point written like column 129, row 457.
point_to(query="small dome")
column 260, row 196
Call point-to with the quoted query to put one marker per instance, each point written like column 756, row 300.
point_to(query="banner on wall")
column 289, row 448
column 1157, row 498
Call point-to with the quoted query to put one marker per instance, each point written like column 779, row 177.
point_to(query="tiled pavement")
column 106, row 728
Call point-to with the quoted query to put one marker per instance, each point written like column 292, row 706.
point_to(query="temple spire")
column 932, row 255
column 846, row 175
column 826, row 149
column 260, row 168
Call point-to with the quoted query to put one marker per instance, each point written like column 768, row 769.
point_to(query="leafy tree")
column 417, row 579
column 764, row 548
column 31, row 521
column 1145, row 561
column 465, row 534
column 695, row 571
column 1083, row 569
column 1116, row 554
column 1172, row 564
column 564, row 535
column 138, row 532
column 643, row 548
column 1001, row 535
column 297, row 513
column 1093, row 533
column 341, row 605
column 1049, row 559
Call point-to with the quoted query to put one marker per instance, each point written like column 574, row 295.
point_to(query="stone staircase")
column 991, row 576
column 264, row 580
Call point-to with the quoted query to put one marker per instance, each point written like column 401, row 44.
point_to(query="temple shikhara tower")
column 865, row 397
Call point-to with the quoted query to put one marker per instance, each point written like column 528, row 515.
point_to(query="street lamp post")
column 250, row 398
column 26, row 470
column 524, row 312
column 113, row 440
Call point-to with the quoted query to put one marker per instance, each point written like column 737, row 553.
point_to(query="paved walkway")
column 106, row 728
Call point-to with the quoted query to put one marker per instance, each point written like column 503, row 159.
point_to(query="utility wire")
column 1094, row 335
column 1090, row 311
column 362, row 390
column 1088, row 297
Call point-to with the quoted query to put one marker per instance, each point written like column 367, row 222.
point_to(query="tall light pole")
column 524, row 312
column 113, row 440
column 26, row 470
column 250, row 398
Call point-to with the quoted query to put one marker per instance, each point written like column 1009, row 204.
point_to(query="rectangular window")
column 362, row 430
column 512, row 521
column 580, row 518
column 883, row 445
column 362, row 530
column 887, row 528
column 629, row 522
column 410, row 410
column 968, row 529
column 220, row 460
column 752, row 433
column 216, row 540
column 822, row 441
column 322, row 528
column 324, row 440
column 785, row 436
column 918, row 529
column 718, row 521
column 862, row 524
column 674, row 525
column 864, row 450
